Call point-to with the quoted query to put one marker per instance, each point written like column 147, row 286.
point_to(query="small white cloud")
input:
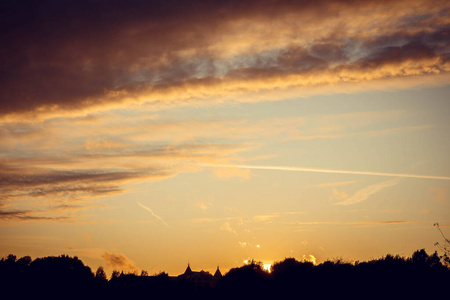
column 227, row 227
column 203, row 205
column 265, row 218
column 337, row 195
column 243, row 244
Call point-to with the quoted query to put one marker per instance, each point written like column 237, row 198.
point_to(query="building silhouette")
column 200, row 278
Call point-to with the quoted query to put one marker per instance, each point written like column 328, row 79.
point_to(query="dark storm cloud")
column 76, row 55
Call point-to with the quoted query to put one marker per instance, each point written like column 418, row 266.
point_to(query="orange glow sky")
column 146, row 135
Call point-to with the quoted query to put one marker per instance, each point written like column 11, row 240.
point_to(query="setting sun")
column 310, row 258
column 267, row 267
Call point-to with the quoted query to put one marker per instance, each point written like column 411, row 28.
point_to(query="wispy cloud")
column 368, row 191
column 153, row 214
column 337, row 195
column 75, row 164
column 227, row 227
column 338, row 134
column 211, row 220
column 265, row 218
column 203, row 205
column 351, row 223
column 27, row 215
column 65, row 180
column 268, row 218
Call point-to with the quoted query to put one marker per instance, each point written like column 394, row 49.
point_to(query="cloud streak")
column 356, row 223
column 330, row 171
column 59, row 187
column 152, row 213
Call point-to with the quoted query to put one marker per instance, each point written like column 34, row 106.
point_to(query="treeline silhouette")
column 65, row 277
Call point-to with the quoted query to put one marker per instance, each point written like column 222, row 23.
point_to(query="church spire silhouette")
column 218, row 274
column 188, row 270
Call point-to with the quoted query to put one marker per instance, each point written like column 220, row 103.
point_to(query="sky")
column 146, row 135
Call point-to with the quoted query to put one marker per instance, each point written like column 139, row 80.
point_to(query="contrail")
column 152, row 213
column 315, row 170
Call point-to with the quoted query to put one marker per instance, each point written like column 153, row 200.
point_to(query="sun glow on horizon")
column 311, row 258
column 267, row 267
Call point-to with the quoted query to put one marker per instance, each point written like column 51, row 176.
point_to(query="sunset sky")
column 143, row 135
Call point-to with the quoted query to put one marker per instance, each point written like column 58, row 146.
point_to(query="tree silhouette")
column 444, row 248
column 50, row 276
column 115, row 274
column 391, row 276
column 246, row 281
column 100, row 274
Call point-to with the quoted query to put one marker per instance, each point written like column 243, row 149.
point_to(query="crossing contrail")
column 316, row 170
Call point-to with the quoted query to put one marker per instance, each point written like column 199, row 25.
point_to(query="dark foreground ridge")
column 390, row 277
